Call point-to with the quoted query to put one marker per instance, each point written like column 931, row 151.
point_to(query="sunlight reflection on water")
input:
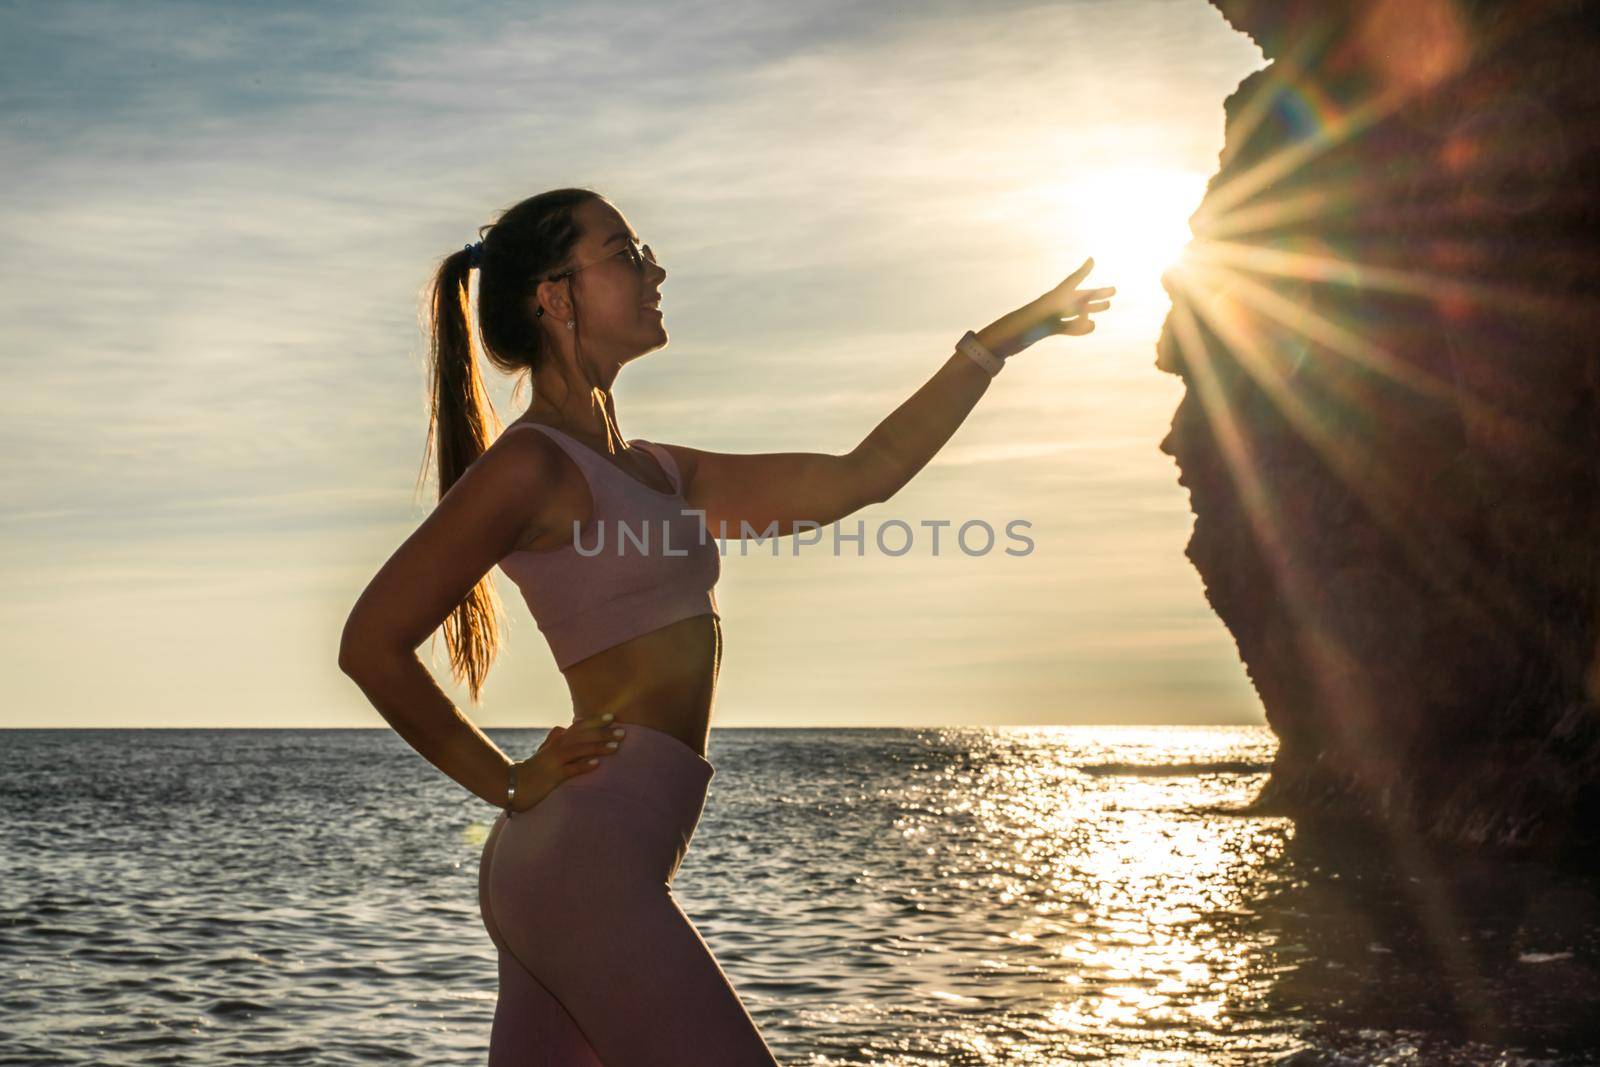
column 1096, row 887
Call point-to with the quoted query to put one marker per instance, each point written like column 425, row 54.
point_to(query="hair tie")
column 474, row 255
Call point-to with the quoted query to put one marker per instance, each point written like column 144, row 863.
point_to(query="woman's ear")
column 552, row 297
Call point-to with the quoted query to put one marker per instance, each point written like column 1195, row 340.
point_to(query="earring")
column 572, row 324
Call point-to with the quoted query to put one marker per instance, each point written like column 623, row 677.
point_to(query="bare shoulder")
column 524, row 470
column 527, row 456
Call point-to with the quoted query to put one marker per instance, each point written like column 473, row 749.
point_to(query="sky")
column 219, row 218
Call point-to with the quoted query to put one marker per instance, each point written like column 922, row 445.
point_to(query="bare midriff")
column 665, row 679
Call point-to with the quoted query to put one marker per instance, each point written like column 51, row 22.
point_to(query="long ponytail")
column 528, row 241
column 461, row 426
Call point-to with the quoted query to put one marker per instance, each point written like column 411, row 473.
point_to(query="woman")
column 597, row 962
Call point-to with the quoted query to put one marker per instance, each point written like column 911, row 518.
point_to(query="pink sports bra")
column 641, row 561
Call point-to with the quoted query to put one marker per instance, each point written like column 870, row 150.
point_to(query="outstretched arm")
column 789, row 488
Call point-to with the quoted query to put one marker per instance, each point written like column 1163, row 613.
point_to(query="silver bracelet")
column 970, row 346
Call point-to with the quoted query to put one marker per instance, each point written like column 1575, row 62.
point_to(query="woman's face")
column 611, row 294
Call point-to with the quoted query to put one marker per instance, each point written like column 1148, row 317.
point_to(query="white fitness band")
column 973, row 348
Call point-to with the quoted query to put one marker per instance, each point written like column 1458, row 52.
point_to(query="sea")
column 950, row 895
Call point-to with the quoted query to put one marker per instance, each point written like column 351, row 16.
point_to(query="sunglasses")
column 638, row 256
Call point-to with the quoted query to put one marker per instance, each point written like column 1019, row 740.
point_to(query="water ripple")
column 950, row 896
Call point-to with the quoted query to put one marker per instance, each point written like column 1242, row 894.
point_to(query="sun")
column 1134, row 222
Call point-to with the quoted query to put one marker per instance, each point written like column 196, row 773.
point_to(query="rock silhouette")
column 1388, row 324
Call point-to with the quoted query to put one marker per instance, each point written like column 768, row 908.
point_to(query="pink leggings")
column 599, row 967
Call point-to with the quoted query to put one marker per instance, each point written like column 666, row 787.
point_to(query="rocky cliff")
column 1388, row 324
